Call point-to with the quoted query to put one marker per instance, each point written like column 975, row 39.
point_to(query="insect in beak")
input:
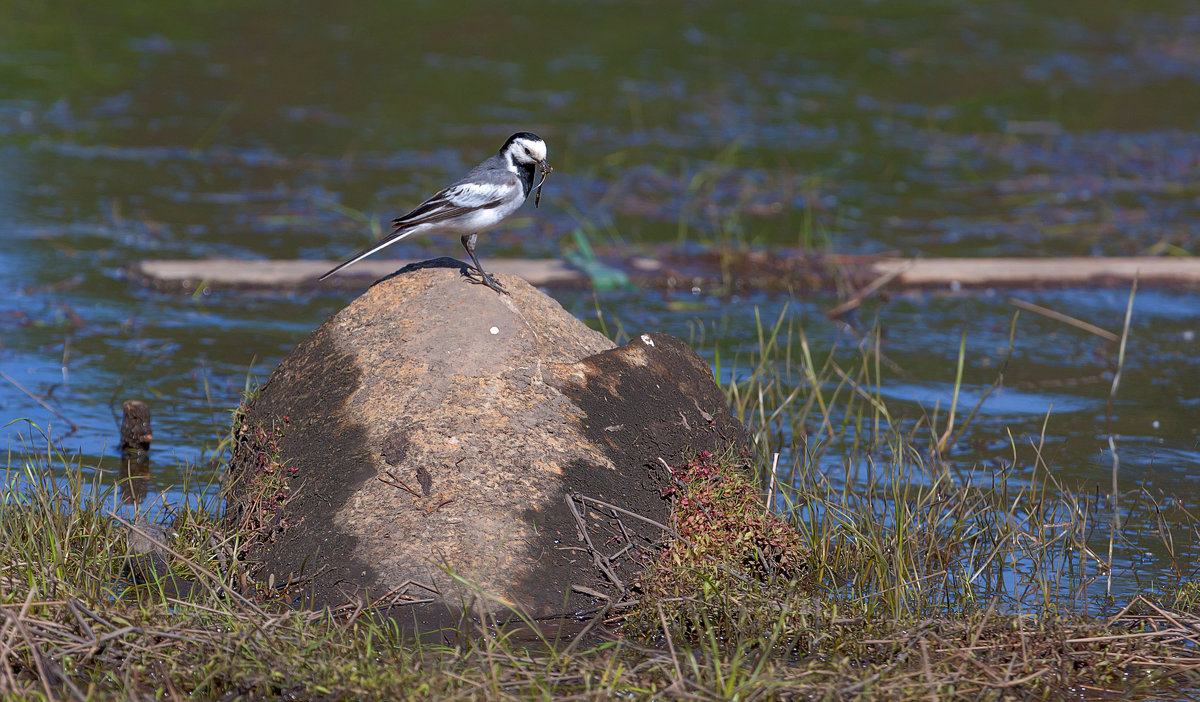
column 546, row 170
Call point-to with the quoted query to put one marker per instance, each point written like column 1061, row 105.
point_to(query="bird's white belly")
column 477, row 221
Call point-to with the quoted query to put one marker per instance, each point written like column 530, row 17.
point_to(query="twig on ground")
column 598, row 558
column 397, row 483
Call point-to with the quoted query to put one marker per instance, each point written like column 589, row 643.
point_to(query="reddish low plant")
column 259, row 491
column 717, row 508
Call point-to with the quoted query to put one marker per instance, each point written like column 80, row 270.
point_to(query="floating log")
column 226, row 273
column 771, row 272
column 1023, row 272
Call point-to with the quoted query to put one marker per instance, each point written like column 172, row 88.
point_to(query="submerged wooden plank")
column 1013, row 272
column 239, row 273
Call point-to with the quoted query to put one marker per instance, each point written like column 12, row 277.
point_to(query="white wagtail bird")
column 482, row 199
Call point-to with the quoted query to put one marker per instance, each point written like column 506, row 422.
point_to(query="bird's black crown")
column 520, row 135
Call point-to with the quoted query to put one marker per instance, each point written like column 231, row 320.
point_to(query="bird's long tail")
column 379, row 246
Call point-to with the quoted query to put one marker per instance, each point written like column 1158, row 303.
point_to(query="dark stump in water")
column 135, row 450
column 435, row 441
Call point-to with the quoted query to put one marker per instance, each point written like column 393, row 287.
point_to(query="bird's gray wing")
column 480, row 190
column 483, row 192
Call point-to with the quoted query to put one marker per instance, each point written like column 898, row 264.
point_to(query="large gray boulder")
column 424, row 444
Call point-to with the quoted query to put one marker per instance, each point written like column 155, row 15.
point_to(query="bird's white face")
column 528, row 150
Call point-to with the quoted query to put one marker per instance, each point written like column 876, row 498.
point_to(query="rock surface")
column 434, row 427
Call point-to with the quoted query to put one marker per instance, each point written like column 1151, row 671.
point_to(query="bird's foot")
column 482, row 277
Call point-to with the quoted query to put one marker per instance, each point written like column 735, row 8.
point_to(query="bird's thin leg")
column 485, row 278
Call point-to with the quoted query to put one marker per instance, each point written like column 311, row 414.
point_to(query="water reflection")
column 135, row 476
column 1005, row 402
